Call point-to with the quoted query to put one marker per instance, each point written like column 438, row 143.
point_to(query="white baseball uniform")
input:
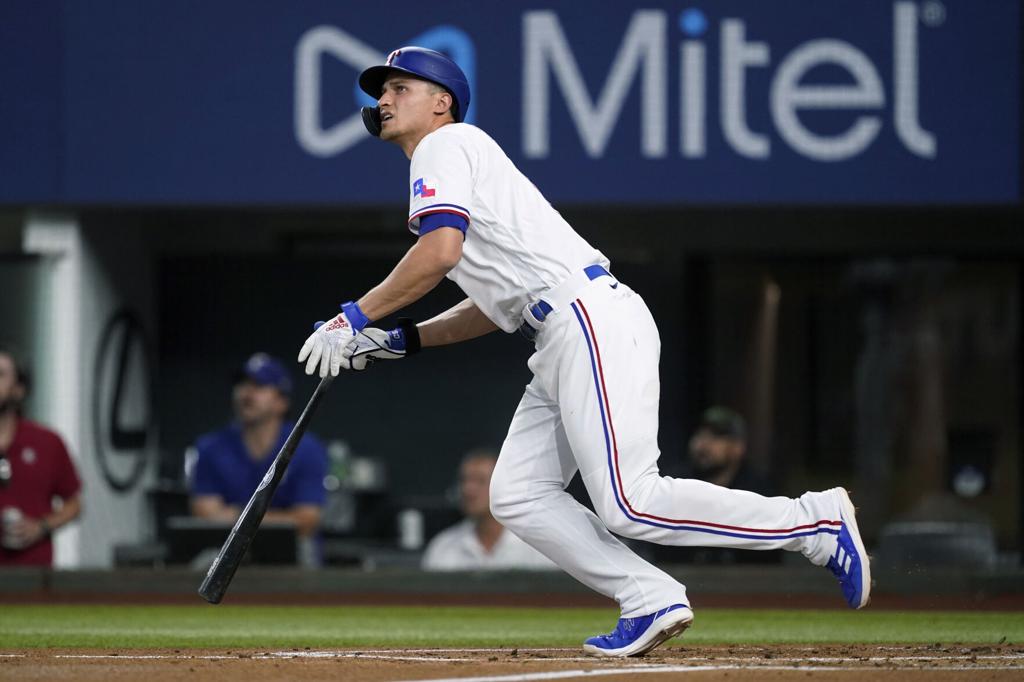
column 458, row 548
column 592, row 405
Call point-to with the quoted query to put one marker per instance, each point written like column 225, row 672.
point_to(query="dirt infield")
column 846, row 663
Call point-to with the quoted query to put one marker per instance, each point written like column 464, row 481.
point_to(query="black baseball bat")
column 223, row 568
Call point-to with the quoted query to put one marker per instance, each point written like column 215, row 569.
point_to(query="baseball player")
column 592, row 404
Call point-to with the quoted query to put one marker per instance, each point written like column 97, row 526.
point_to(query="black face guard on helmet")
column 371, row 119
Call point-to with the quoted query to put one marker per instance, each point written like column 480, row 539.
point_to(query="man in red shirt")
column 34, row 469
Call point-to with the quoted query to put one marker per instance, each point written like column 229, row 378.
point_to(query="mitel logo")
column 644, row 54
column 310, row 130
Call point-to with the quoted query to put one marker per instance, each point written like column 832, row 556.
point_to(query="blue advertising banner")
column 659, row 103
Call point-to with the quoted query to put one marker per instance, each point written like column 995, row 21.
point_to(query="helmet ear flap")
column 371, row 119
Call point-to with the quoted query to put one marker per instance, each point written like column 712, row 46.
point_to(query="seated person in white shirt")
column 478, row 541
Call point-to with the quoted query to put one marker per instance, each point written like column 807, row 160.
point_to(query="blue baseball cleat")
column 637, row 636
column 850, row 563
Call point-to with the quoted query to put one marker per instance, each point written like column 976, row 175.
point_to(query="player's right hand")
column 325, row 345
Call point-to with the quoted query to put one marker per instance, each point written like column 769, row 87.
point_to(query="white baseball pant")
column 593, row 406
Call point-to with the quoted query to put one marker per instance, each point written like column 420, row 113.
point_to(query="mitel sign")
column 645, row 103
column 649, row 54
column 646, row 51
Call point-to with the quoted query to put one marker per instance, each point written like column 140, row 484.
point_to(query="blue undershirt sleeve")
column 429, row 223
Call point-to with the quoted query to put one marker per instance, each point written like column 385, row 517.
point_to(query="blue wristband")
column 396, row 339
column 355, row 315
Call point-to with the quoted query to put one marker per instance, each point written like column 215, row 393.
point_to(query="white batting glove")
column 373, row 344
column 325, row 345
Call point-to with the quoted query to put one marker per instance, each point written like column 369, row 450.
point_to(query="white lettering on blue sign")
column 643, row 53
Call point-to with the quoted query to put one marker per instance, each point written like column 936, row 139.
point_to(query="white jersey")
column 517, row 246
column 592, row 407
column 458, row 549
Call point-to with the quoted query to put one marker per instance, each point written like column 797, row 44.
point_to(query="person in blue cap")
column 232, row 461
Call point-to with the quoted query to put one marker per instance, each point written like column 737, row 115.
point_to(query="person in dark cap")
column 231, row 462
column 717, row 454
column 717, row 451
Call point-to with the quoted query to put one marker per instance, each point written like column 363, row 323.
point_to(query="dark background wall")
column 830, row 398
column 420, row 415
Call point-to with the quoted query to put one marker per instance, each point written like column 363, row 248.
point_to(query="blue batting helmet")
column 422, row 63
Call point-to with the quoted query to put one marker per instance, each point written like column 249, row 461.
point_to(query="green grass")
column 258, row 627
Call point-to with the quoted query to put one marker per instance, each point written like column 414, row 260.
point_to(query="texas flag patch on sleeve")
column 420, row 188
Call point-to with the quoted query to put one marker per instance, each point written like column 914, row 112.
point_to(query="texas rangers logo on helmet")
column 391, row 57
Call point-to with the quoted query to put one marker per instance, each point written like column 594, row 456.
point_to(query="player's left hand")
column 373, row 344
column 325, row 345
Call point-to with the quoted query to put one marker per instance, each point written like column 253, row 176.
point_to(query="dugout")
column 877, row 346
